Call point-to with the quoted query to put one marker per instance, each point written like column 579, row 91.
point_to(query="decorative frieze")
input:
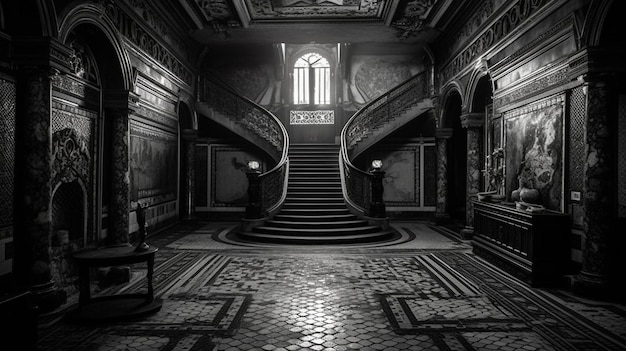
column 74, row 87
column 507, row 23
column 535, row 86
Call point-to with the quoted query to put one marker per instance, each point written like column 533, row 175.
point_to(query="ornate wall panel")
column 153, row 163
column 410, row 174
column 7, row 154
column 229, row 183
column 312, row 117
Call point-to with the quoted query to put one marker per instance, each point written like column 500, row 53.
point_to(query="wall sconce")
column 253, row 165
column 377, row 164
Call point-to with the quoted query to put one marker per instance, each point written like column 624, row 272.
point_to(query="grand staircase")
column 314, row 211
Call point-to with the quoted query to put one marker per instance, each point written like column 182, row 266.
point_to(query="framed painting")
column 534, row 150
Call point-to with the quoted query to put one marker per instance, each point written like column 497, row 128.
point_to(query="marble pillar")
column 187, row 198
column 33, row 189
column 473, row 122
column 119, row 206
column 442, row 135
column 598, row 194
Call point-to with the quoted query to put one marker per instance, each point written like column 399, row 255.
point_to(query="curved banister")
column 356, row 183
column 262, row 125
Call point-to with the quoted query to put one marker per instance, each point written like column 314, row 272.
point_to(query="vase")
column 529, row 195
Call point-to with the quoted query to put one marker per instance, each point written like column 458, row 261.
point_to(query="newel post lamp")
column 377, row 206
column 253, row 209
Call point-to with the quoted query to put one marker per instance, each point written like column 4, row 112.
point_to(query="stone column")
column 441, row 138
column 33, row 188
column 473, row 122
column 598, row 195
column 118, row 106
column 187, row 199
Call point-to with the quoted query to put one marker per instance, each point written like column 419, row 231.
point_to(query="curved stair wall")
column 224, row 105
column 371, row 124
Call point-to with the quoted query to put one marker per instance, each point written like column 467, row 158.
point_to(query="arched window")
column 311, row 80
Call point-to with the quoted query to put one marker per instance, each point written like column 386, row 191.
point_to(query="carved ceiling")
column 305, row 21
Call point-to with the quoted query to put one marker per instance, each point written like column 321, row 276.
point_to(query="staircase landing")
column 314, row 211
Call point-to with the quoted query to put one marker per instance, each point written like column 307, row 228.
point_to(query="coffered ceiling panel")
column 303, row 21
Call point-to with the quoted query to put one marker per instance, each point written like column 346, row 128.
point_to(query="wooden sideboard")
column 533, row 246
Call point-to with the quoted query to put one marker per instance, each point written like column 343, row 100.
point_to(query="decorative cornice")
column 534, row 87
column 503, row 26
column 556, row 99
column 472, row 120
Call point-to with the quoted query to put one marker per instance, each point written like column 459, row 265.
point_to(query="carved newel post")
column 377, row 206
column 253, row 209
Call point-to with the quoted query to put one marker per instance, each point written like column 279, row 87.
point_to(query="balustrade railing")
column 267, row 132
column 357, row 183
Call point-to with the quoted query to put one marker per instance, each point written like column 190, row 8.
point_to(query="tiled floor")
column 426, row 291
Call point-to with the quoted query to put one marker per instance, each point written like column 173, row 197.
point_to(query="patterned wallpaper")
column 7, row 152
column 376, row 77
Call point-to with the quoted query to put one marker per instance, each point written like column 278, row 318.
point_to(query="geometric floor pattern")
column 425, row 293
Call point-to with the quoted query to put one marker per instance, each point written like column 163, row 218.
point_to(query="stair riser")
column 316, row 225
column 312, row 232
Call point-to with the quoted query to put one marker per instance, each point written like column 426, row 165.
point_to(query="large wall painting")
column 534, row 148
column 229, row 183
column 153, row 164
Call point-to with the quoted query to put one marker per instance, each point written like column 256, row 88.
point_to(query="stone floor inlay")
column 427, row 294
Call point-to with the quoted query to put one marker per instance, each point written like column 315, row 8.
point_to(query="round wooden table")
column 113, row 307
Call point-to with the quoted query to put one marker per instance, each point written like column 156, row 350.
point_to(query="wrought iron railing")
column 263, row 128
column 373, row 116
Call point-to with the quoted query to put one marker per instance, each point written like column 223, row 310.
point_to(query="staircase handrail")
column 356, row 183
column 260, row 121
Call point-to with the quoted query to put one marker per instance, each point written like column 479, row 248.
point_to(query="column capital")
column 472, row 120
column 443, row 133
